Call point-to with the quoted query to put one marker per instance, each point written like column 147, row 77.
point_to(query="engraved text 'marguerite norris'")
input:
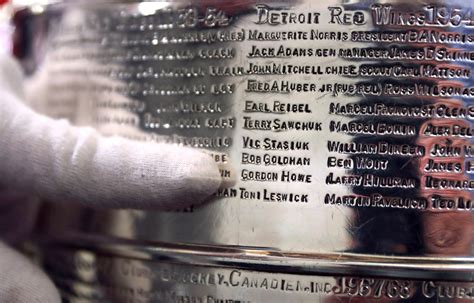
column 380, row 129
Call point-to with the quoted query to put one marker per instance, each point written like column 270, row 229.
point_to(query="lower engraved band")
column 147, row 274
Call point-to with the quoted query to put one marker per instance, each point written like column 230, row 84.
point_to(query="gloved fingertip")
column 227, row 174
column 11, row 77
column 194, row 178
column 23, row 282
column 200, row 177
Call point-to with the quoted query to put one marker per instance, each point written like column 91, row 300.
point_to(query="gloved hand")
column 62, row 163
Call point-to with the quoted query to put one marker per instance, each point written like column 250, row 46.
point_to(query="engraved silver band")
column 269, row 260
column 348, row 127
column 246, row 275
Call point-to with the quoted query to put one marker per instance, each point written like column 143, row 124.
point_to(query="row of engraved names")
column 428, row 165
column 284, row 87
column 422, row 36
column 427, row 202
column 434, row 170
column 438, row 159
column 436, row 110
column 392, row 53
column 455, row 128
column 432, row 128
column 145, row 72
column 436, row 181
column 374, row 88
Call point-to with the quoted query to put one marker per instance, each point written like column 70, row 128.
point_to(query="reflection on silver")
column 348, row 127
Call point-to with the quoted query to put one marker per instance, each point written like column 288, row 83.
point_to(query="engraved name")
column 380, row 148
column 409, row 111
column 257, row 35
column 269, row 160
column 358, row 163
column 454, row 130
column 283, row 176
column 448, row 184
column 433, row 166
column 369, row 180
column 273, row 144
column 289, row 52
column 279, row 86
column 277, row 107
column 376, row 200
column 381, row 129
column 278, row 125
column 269, row 196
column 294, row 69
column 441, row 203
column 420, row 71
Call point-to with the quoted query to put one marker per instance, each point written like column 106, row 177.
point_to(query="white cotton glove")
column 22, row 282
column 62, row 163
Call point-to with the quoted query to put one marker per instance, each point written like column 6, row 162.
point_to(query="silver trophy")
column 344, row 127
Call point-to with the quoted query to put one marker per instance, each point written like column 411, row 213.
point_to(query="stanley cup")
column 343, row 128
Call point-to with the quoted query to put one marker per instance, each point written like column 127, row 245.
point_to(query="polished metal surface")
column 345, row 129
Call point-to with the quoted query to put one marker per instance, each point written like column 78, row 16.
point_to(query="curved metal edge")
column 272, row 260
